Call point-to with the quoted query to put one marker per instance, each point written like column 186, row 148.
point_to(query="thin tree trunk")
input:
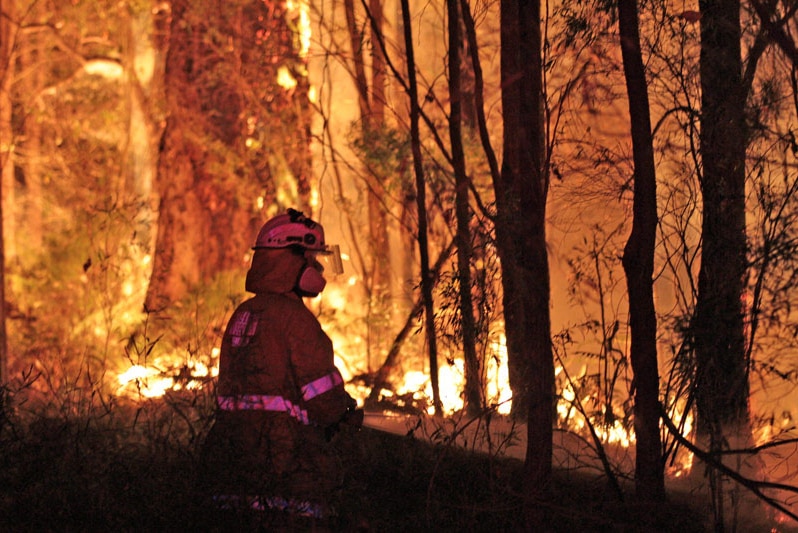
column 473, row 373
column 356, row 43
column 31, row 57
column 7, row 31
column 7, row 153
column 423, row 247
column 378, row 223
column 370, row 104
column 638, row 264
column 378, row 75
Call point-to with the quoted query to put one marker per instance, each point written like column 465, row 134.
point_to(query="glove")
column 354, row 418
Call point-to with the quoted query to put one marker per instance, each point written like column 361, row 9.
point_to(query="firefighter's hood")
column 274, row 270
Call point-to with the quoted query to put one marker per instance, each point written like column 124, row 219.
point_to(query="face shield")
column 330, row 259
column 311, row 279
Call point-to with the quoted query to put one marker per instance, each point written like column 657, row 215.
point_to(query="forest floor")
column 79, row 474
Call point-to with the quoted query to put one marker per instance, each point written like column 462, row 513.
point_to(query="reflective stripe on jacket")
column 322, row 385
column 261, row 402
column 264, row 402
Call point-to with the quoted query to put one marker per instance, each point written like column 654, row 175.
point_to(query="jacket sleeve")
column 320, row 384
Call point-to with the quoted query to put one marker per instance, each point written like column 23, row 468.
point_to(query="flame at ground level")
column 152, row 381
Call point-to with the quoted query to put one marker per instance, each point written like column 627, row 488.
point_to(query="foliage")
column 385, row 153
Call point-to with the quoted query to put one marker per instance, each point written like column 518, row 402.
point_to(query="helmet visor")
column 330, row 258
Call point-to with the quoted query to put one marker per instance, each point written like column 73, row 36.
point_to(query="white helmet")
column 292, row 229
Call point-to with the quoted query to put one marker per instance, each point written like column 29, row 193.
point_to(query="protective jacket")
column 274, row 355
column 278, row 390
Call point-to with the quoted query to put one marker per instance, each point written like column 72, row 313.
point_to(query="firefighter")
column 280, row 397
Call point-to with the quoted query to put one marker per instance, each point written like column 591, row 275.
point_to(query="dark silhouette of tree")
column 427, row 276
column 638, row 263
column 521, row 192
column 473, row 372
column 721, row 382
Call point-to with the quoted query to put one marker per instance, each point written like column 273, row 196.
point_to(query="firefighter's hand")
column 354, row 418
column 351, row 404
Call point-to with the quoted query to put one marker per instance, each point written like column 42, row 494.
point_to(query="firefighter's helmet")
column 292, row 229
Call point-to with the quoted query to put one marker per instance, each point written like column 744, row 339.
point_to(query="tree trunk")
column 31, row 58
column 372, row 115
column 418, row 169
column 638, row 264
column 143, row 46
column 721, row 382
column 7, row 46
column 378, row 220
column 7, row 14
column 473, row 370
column 521, row 234
column 183, row 246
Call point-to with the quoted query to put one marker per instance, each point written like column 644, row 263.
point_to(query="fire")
column 172, row 373
column 498, row 382
column 299, row 13
column 451, row 381
column 147, row 380
column 568, row 408
column 155, row 380
column 285, row 79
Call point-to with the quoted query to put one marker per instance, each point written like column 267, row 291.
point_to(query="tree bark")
column 427, row 280
column 638, row 264
column 7, row 31
column 721, row 372
column 183, row 246
column 521, row 234
column 721, row 381
column 473, row 370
